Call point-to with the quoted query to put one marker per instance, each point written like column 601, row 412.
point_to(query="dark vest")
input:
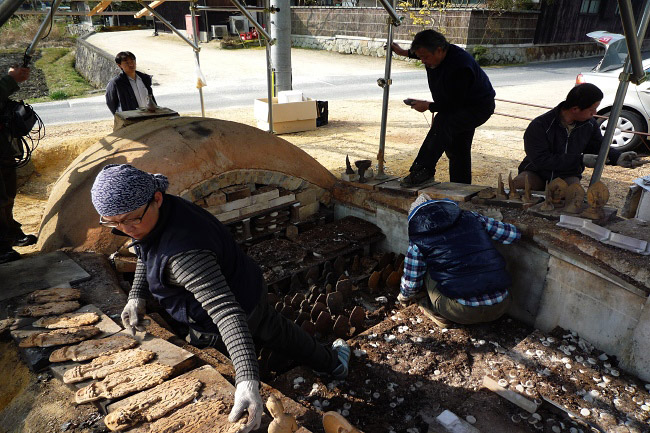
column 184, row 226
column 458, row 251
column 480, row 92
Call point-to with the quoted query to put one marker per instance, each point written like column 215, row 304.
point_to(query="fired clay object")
column 104, row 365
column 282, row 422
column 575, row 196
column 60, row 336
column 597, row 197
column 557, row 189
column 55, row 294
column 69, row 320
column 93, row 348
column 49, row 309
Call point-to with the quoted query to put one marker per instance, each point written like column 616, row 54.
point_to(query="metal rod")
column 50, row 17
column 168, row 25
column 75, row 13
column 384, row 104
column 269, row 66
column 620, row 92
column 252, row 20
column 234, row 9
column 196, row 53
column 391, row 11
column 632, row 39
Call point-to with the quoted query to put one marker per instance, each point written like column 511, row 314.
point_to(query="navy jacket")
column 458, row 251
column 119, row 93
column 552, row 152
column 184, row 226
column 459, row 82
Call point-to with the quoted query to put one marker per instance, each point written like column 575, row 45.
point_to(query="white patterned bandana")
column 120, row 189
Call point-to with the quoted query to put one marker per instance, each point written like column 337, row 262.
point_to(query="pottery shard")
column 49, row 309
column 119, row 384
column 339, row 265
column 344, row 287
column 335, row 303
column 69, row 320
column 154, row 403
column 374, row 281
column 357, row 317
column 324, row 323
column 385, row 260
column 297, row 300
column 385, row 273
column 60, row 336
column 104, row 365
column 93, row 348
column 55, row 294
column 316, row 310
column 203, row 416
column 322, row 298
column 342, row 327
column 393, row 280
column 309, row 327
column 5, row 324
column 302, row 317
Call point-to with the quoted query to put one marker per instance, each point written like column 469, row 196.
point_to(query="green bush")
column 479, row 52
column 58, row 95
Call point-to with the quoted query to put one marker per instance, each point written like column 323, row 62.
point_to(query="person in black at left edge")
column 11, row 234
column 463, row 99
column 190, row 263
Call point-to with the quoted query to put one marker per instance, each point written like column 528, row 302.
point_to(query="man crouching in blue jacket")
column 451, row 254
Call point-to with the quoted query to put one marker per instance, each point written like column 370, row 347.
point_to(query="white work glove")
column 589, row 160
column 132, row 314
column 408, row 300
column 247, row 397
column 626, row 159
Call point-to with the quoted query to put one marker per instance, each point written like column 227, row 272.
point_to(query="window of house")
column 590, row 6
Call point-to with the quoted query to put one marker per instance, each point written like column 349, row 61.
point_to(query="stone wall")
column 94, row 64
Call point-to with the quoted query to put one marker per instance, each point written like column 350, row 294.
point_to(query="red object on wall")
column 189, row 30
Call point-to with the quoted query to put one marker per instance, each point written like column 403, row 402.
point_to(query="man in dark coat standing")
column 463, row 99
column 130, row 89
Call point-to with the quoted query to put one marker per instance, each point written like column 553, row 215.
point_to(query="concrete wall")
column 94, row 64
column 554, row 288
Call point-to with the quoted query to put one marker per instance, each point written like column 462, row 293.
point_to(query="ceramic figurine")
column 282, row 422
column 513, row 194
column 501, row 192
column 557, row 189
column 575, row 196
column 597, row 197
column 547, row 206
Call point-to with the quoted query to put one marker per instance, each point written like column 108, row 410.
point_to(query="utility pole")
column 280, row 30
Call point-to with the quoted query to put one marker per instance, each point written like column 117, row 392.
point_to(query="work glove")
column 132, row 315
column 626, row 159
column 247, row 397
column 405, row 301
column 589, row 160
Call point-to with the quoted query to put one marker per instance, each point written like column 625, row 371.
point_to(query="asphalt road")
column 355, row 86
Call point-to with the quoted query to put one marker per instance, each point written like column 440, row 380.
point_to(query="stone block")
column 291, row 183
column 235, row 204
column 186, row 194
column 282, row 200
column 300, row 213
column 205, row 188
column 264, row 194
column 276, row 178
column 215, row 199
column 245, row 211
column 236, row 192
column 307, row 195
column 224, row 216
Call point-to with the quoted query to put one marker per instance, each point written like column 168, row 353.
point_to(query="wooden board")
column 453, row 191
column 513, row 397
column 38, row 358
column 393, row 185
column 515, row 204
column 39, row 272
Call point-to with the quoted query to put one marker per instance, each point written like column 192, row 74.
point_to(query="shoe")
column 9, row 256
column 417, row 177
column 25, row 240
column 343, row 352
column 440, row 321
column 334, row 422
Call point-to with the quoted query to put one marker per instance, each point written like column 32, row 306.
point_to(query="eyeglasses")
column 130, row 222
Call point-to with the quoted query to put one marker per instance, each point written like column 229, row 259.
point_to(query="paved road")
column 228, row 93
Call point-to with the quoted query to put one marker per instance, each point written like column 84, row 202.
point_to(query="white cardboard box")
column 289, row 117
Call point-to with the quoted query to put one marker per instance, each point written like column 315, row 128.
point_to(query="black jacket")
column 119, row 93
column 552, row 152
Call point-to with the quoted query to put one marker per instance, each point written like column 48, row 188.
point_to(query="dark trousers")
column 273, row 331
column 452, row 133
column 9, row 228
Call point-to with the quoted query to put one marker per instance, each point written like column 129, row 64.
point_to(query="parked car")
column 635, row 114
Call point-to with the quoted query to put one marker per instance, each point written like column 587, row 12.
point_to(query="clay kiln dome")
column 196, row 154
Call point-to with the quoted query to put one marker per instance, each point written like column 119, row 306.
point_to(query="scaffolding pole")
column 385, row 83
column 196, row 54
column 50, row 17
column 634, row 55
column 269, row 71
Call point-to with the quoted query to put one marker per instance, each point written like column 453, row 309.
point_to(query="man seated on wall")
column 451, row 259
column 565, row 140
column 130, row 89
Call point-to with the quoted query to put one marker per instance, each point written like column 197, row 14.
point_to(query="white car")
column 635, row 114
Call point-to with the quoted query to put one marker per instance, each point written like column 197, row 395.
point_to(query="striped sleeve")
column 499, row 231
column 140, row 285
column 415, row 269
column 199, row 272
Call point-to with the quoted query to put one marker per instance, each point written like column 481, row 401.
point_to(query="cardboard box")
column 289, row 117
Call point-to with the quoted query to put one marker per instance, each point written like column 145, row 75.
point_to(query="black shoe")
column 25, row 240
column 418, row 177
column 9, row 256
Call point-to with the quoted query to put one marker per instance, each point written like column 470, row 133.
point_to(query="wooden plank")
column 452, row 190
column 101, row 6
column 394, row 186
column 145, row 11
column 39, row 272
column 511, row 396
